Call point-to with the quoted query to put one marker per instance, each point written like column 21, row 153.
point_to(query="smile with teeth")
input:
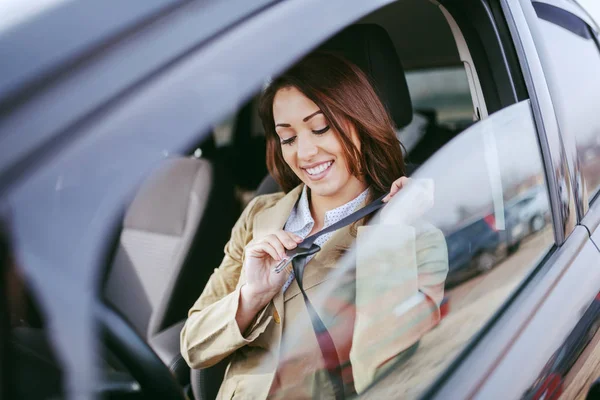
column 319, row 168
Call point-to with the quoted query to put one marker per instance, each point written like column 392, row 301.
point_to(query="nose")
column 307, row 148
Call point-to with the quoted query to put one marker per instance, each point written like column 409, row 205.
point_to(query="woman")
column 332, row 148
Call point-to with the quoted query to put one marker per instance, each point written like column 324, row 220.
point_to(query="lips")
column 318, row 171
column 319, row 168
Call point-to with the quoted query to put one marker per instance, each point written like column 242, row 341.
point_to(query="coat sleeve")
column 400, row 278
column 211, row 332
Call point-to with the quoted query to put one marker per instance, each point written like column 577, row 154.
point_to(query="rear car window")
column 572, row 67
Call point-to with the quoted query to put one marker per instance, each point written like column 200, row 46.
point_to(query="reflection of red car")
column 550, row 389
column 444, row 308
column 549, row 385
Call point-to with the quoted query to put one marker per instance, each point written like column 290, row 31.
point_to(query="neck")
column 319, row 205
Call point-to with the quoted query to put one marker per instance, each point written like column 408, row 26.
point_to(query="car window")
column 573, row 65
column 444, row 91
column 223, row 132
column 442, row 107
column 474, row 222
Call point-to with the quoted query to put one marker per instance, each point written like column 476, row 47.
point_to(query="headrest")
column 162, row 203
column 370, row 47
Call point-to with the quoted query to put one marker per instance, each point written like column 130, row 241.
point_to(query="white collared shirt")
column 301, row 221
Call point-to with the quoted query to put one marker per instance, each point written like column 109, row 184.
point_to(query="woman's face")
column 311, row 147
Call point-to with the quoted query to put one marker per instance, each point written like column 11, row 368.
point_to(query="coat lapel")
column 274, row 218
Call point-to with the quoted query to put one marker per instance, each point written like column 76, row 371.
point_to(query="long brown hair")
column 344, row 94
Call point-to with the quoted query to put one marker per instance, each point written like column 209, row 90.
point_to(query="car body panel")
column 551, row 382
column 592, row 220
column 496, row 355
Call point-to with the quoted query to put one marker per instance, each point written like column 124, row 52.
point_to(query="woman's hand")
column 416, row 199
column 396, row 186
column 262, row 282
column 262, row 255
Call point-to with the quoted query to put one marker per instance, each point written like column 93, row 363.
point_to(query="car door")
column 542, row 335
column 567, row 39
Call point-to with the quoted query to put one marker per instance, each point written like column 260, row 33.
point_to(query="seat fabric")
column 173, row 236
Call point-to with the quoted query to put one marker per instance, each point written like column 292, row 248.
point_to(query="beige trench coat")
column 364, row 309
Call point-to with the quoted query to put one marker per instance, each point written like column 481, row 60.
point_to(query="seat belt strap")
column 298, row 259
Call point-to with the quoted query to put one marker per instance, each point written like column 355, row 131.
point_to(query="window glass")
column 439, row 260
column 444, row 91
column 223, row 132
column 573, row 67
column 443, row 107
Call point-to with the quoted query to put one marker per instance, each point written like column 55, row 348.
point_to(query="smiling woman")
column 311, row 108
column 331, row 146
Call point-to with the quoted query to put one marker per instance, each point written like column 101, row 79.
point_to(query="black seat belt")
column 298, row 258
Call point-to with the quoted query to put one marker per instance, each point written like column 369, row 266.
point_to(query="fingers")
column 260, row 249
column 275, row 244
column 289, row 240
column 396, row 186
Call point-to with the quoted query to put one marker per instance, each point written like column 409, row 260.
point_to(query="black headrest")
column 370, row 47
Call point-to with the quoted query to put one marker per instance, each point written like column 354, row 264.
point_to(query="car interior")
column 176, row 226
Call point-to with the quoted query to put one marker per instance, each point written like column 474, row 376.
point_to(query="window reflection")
column 572, row 64
column 492, row 204
column 485, row 194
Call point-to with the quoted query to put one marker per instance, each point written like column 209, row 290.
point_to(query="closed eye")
column 321, row 131
column 288, row 140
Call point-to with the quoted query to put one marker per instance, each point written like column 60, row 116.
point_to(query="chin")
column 324, row 189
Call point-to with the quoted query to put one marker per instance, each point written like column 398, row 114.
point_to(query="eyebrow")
column 305, row 119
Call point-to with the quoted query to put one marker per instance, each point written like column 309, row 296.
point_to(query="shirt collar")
column 301, row 218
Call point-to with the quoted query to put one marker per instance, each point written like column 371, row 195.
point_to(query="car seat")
column 173, row 236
